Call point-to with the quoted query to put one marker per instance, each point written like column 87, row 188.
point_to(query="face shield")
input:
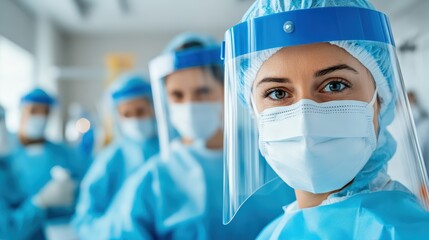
column 160, row 68
column 316, row 128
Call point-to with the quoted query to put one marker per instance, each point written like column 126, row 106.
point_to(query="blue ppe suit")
column 106, row 176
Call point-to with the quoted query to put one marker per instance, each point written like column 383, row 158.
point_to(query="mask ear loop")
column 374, row 97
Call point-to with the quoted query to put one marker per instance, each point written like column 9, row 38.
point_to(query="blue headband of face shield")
column 140, row 90
column 308, row 26
column 166, row 64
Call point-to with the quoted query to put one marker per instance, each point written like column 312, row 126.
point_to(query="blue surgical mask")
column 197, row 121
column 318, row 147
column 138, row 129
column 35, row 126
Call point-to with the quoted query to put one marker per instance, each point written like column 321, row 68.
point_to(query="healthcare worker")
column 321, row 82
column 179, row 195
column 421, row 121
column 35, row 157
column 138, row 141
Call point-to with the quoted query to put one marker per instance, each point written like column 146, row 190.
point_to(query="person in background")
column 179, row 195
column 41, row 175
column 138, row 141
column 421, row 120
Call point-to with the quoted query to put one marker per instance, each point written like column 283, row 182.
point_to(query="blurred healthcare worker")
column 36, row 155
column 179, row 195
column 42, row 173
column 421, row 120
column 138, row 141
column 320, row 79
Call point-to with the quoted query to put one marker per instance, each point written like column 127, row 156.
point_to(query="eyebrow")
column 328, row 70
column 275, row 80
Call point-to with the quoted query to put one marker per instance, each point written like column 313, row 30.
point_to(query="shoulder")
column 270, row 228
column 378, row 215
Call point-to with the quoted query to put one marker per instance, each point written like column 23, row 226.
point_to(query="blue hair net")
column 129, row 87
column 181, row 39
column 373, row 55
column 37, row 96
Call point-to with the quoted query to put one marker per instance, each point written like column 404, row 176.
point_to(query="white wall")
column 411, row 25
column 83, row 73
column 84, row 61
column 17, row 24
column 89, row 50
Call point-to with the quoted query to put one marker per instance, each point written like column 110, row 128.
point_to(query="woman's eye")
column 277, row 94
column 335, row 86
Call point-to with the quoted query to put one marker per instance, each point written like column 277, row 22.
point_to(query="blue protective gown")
column 182, row 199
column 110, row 169
column 378, row 215
column 30, row 169
column 22, row 222
column 31, row 165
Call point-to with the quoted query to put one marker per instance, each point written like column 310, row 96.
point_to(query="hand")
column 56, row 193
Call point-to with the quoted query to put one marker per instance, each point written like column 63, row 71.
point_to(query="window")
column 16, row 77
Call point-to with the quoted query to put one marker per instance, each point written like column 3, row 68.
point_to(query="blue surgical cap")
column 373, row 55
column 129, row 87
column 184, row 38
column 37, row 96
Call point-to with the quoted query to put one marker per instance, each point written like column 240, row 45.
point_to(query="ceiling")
column 408, row 17
column 142, row 15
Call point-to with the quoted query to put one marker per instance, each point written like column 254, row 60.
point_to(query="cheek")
column 219, row 94
column 146, row 112
column 149, row 112
column 24, row 117
column 23, row 121
column 124, row 112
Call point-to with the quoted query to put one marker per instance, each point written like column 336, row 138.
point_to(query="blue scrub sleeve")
column 22, row 222
column 137, row 210
column 95, row 196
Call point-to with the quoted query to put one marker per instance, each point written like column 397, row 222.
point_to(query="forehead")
column 188, row 77
column 308, row 57
column 137, row 102
column 36, row 106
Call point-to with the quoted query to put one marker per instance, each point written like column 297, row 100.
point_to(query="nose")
column 304, row 92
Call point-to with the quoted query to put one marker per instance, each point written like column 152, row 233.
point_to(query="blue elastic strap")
column 198, row 57
column 142, row 89
column 313, row 25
